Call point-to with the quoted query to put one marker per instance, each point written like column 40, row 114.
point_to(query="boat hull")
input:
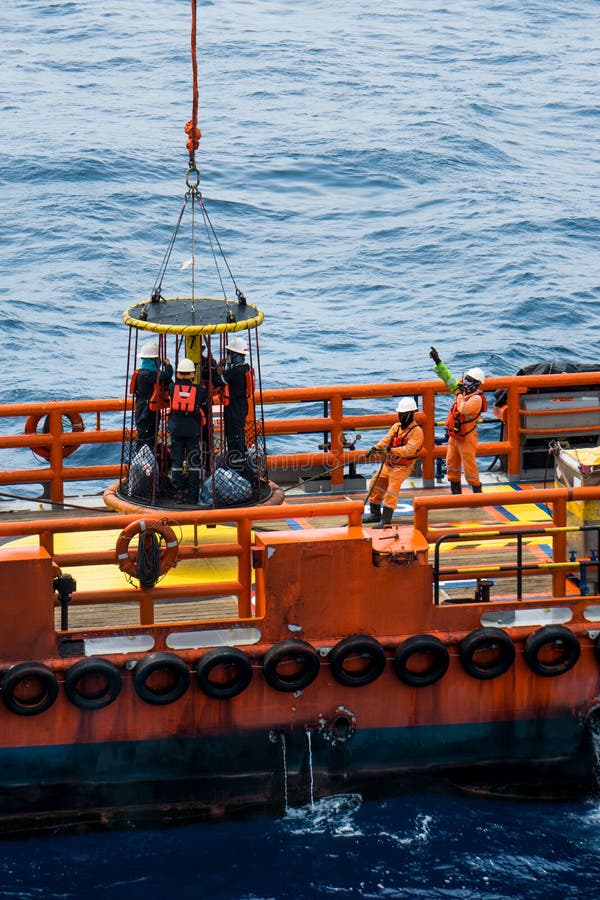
column 132, row 782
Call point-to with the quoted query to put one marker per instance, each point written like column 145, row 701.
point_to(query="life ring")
column 552, row 650
column 235, row 671
column 361, row 651
column 92, row 683
column 161, row 678
column 291, row 665
column 427, row 646
column 29, row 688
column 487, row 653
column 31, row 426
column 168, row 553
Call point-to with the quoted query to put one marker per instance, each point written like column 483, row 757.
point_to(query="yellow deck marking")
column 524, row 512
column 105, row 577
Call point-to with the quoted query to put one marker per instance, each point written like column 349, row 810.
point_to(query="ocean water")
column 381, row 177
column 417, row 846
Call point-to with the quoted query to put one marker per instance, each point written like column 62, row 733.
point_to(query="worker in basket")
column 461, row 424
column 236, row 379
column 401, row 446
column 149, row 386
column 187, row 420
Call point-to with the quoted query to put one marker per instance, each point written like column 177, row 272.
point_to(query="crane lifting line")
column 191, row 128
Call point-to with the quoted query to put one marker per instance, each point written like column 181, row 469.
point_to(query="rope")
column 95, row 509
column 260, row 400
column 191, row 128
column 375, row 480
column 238, row 292
column 165, row 262
column 148, row 560
column 302, row 481
column 127, row 380
column 210, row 231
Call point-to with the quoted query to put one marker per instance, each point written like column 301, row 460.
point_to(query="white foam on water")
column 330, row 815
column 421, row 833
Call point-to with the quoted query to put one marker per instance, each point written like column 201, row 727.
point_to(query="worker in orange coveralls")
column 461, row 423
column 401, row 446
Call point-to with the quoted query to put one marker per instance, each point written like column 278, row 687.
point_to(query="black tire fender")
column 172, row 666
column 560, row 637
column 487, row 639
column 27, row 674
column 423, row 644
column 226, row 657
column 102, row 669
column 357, row 645
column 301, row 655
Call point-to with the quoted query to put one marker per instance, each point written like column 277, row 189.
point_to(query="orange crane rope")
column 191, row 128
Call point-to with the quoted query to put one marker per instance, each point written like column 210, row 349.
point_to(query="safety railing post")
column 337, row 440
column 428, row 401
column 146, row 608
column 513, row 431
column 244, row 567
column 47, row 542
column 559, row 546
column 57, row 494
column 421, row 519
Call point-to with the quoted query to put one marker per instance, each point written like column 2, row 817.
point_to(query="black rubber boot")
column 386, row 518
column 478, row 489
column 374, row 514
column 455, row 487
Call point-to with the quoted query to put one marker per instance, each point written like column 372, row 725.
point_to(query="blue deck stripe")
column 507, row 515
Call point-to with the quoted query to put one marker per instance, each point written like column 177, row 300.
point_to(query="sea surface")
column 381, row 177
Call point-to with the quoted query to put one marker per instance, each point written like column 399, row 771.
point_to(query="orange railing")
column 335, row 421
column 555, row 498
column 239, row 548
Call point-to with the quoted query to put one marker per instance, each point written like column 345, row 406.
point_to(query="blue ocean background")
column 381, row 177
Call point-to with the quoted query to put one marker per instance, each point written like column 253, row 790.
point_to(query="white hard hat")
column 476, row 374
column 406, row 404
column 149, row 350
column 236, row 345
column 186, row 366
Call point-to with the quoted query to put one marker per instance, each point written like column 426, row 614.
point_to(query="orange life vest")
column 400, row 439
column 458, row 423
column 159, row 398
column 250, row 385
column 184, row 400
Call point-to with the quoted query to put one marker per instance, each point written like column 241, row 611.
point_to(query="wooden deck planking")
column 100, row 615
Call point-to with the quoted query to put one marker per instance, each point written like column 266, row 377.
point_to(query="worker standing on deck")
column 149, row 386
column 186, row 421
column 461, row 424
column 401, row 446
column 236, row 378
